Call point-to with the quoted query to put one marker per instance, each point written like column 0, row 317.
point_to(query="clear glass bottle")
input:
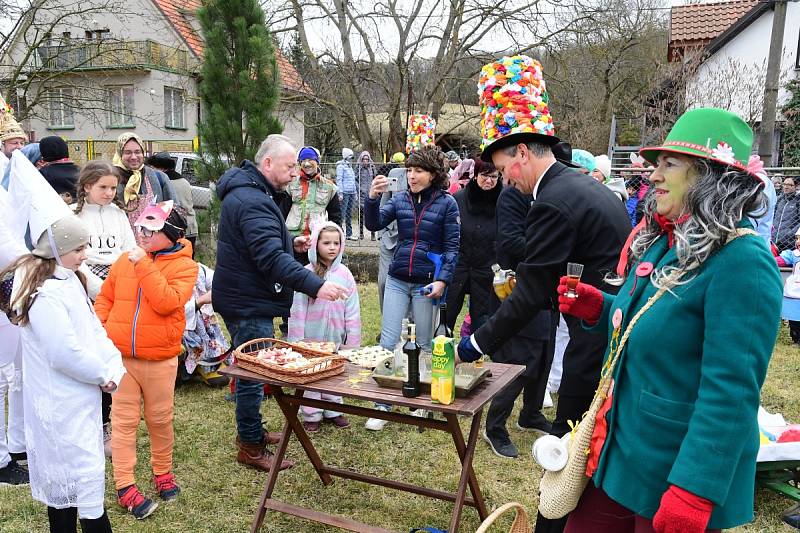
column 399, row 356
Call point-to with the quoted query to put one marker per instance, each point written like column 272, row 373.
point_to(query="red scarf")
column 668, row 226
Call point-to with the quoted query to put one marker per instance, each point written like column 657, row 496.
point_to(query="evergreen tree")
column 239, row 84
column 791, row 131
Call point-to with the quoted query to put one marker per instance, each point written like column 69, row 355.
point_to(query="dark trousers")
column 106, row 407
column 480, row 293
column 532, row 383
column 598, row 513
column 65, row 521
column 794, row 331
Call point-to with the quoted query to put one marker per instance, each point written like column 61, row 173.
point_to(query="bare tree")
column 398, row 56
column 607, row 65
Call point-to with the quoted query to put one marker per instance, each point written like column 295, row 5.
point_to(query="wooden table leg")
column 458, row 439
column 272, row 476
column 290, row 413
column 466, row 454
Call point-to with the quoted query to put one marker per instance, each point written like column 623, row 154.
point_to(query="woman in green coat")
column 674, row 448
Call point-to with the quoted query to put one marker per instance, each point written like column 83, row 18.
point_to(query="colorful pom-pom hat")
column 714, row 134
column 420, row 132
column 514, row 105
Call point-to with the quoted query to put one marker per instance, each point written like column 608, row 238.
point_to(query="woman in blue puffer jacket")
column 427, row 221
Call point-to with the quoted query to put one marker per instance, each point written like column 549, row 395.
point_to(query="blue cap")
column 308, row 152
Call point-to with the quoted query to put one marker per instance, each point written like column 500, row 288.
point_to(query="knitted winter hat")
column 514, row 104
column 53, row 148
column 583, row 159
column 65, row 235
column 347, row 154
column 603, row 164
column 309, row 152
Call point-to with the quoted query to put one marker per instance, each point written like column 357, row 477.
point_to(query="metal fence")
column 84, row 150
column 786, row 180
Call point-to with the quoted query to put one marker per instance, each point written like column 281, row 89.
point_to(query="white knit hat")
column 603, row 164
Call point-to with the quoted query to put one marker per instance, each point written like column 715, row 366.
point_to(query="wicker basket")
column 321, row 364
column 520, row 524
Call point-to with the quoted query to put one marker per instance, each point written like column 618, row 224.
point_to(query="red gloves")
column 682, row 512
column 587, row 306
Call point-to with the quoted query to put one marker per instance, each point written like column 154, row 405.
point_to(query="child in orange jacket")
column 141, row 305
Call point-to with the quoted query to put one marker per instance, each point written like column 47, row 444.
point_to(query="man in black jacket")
column 257, row 274
column 572, row 219
column 531, row 347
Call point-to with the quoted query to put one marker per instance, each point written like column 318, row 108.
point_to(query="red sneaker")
column 166, row 487
column 134, row 501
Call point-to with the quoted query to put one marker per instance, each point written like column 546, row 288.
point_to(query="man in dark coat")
column 59, row 171
column 257, row 274
column 531, row 347
column 572, row 219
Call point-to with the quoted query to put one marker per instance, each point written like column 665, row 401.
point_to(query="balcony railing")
column 112, row 55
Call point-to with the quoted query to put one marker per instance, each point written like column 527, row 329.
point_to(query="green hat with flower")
column 710, row 133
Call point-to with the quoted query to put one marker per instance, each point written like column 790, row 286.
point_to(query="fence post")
column 89, row 149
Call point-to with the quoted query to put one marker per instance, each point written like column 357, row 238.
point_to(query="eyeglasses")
column 147, row 233
column 493, row 177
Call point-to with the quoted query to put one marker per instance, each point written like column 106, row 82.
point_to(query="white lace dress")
column 67, row 355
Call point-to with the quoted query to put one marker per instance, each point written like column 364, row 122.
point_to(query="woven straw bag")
column 560, row 491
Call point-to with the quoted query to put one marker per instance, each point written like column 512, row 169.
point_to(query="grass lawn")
column 220, row 496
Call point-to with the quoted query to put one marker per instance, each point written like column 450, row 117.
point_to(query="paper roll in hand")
column 551, row 452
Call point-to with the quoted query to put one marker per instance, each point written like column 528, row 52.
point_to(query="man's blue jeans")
column 249, row 394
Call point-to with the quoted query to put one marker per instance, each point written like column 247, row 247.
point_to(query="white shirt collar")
column 539, row 181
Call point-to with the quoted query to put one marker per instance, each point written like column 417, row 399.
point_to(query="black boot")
column 63, row 520
column 96, row 525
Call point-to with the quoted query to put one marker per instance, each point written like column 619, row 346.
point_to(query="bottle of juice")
column 411, row 387
column 443, row 362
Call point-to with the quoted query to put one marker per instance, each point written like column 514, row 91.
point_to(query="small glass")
column 425, row 365
column 574, row 272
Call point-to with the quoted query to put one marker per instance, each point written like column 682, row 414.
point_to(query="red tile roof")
column 176, row 12
column 695, row 25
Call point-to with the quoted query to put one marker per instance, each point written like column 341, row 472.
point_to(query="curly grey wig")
column 718, row 201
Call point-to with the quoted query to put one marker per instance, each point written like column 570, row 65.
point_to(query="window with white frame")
column 173, row 108
column 61, row 103
column 120, row 106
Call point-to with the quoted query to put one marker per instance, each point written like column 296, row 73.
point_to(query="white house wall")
column 140, row 21
column 733, row 78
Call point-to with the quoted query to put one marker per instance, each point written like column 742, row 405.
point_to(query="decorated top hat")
column 714, row 134
column 514, row 105
column 9, row 127
column 420, row 132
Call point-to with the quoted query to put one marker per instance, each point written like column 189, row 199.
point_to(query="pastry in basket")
column 326, row 347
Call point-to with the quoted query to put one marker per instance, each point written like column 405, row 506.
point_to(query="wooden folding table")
column 366, row 389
